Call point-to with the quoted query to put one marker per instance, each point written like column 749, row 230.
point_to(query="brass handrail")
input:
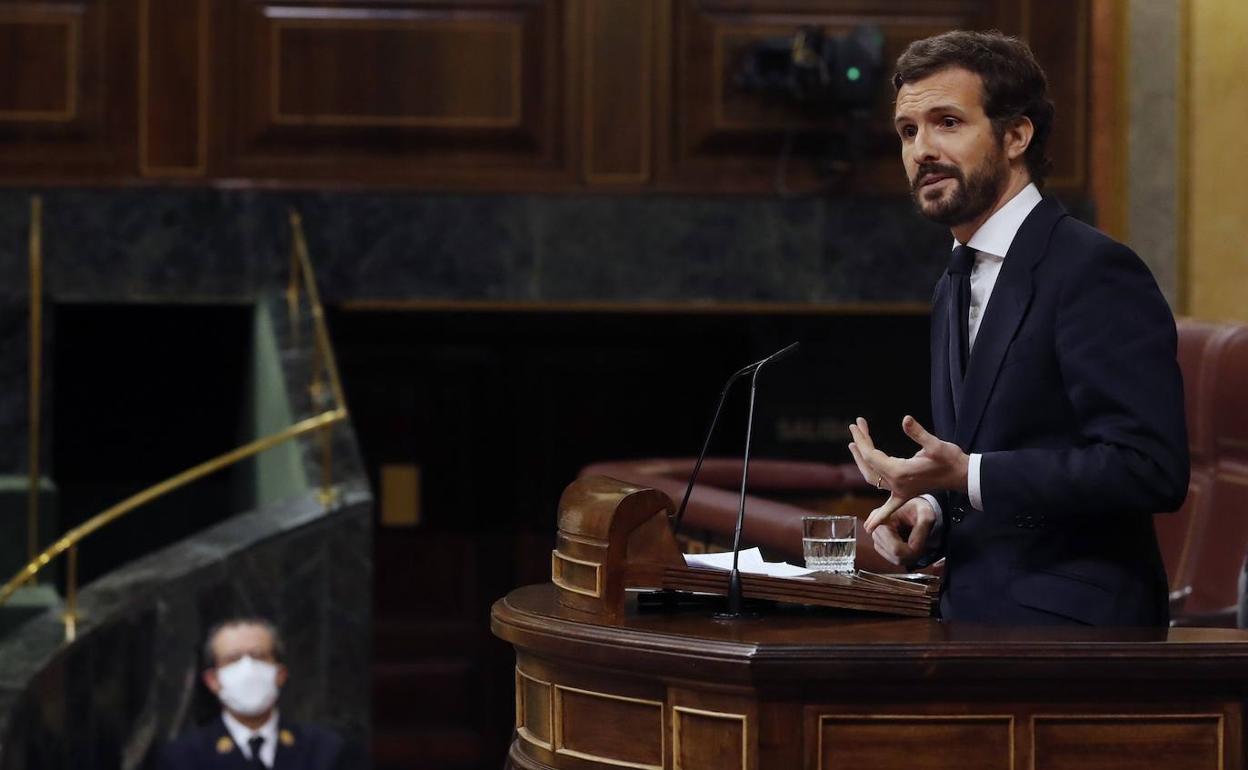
column 324, row 352
column 301, row 272
column 106, row 517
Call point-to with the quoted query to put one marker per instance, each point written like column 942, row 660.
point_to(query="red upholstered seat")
column 1219, row 535
column 1198, row 344
column 773, row 524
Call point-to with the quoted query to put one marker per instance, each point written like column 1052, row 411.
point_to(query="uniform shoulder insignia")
column 224, row 745
column 286, row 737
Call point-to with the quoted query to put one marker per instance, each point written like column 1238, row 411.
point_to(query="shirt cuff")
column 972, row 483
column 931, row 500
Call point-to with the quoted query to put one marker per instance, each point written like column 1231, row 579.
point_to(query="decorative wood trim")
column 1220, row 718
column 1108, row 110
column 1007, row 718
column 146, row 167
column 557, row 728
column 73, row 41
column 521, row 728
column 395, row 21
column 725, row 715
column 556, row 575
column 1079, row 177
column 590, row 541
column 646, row 78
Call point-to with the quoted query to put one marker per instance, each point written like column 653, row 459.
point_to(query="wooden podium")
column 823, row 688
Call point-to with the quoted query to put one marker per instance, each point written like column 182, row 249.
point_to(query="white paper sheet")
column 750, row 560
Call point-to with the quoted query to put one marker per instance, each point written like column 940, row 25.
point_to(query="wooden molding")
column 157, row 158
column 70, row 20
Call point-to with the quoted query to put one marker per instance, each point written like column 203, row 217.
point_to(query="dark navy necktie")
column 960, row 264
column 256, row 743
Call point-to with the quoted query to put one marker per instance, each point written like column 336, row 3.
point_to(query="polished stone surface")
column 204, row 245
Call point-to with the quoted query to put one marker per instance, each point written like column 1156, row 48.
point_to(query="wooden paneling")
column 173, row 87
column 45, row 50
column 1060, row 43
column 67, row 106
column 1106, row 742
column 709, row 740
column 500, row 95
column 618, row 82
column 813, row 691
column 894, row 742
column 340, row 72
column 613, row 729
column 414, row 91
column 534, row 710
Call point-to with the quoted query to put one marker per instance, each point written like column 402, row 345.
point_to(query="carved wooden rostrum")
column 611, row 536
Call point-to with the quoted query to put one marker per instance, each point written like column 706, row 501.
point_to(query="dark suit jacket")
column 1073, row 396
column 210, row 747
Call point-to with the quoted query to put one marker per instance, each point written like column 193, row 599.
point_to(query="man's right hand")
column 917, row 515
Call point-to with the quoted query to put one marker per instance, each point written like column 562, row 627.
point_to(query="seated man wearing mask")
column 245, row 672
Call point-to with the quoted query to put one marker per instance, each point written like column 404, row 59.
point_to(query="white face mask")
column 248, row 686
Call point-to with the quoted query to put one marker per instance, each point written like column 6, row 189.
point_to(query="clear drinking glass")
column 828, row 542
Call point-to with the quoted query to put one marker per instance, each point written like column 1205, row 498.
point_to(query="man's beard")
column 972, row 195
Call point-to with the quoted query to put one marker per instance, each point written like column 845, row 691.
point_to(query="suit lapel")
column 1011, row 296
column 943, row 386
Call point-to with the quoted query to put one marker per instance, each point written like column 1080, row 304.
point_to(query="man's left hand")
column 938, row 465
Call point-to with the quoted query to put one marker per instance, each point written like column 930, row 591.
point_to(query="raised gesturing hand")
column 938, row 465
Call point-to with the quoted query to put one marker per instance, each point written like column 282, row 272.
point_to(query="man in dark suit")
column 1056, row 396
column 245, row 672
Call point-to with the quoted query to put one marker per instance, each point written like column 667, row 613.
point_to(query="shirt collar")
column 241, row 733
column 995, row 236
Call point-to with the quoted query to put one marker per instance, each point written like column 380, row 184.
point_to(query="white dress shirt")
column 991, row 243
column 242, row 735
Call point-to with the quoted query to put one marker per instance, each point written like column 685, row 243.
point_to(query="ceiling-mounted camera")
column 818, row 70
column 822, row 75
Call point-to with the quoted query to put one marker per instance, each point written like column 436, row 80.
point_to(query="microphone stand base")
column 739, row 615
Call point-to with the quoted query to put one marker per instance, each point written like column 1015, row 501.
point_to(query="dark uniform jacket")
column 299, row 747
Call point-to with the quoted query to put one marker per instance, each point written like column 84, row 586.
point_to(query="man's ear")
column 1018, row 138
column 211, row 680
column 281, row 676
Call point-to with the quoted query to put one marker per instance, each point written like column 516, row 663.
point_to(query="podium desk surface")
column 815, row 642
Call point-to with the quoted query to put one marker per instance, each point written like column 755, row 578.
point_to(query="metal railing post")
column 36, row 375
column 71, row 594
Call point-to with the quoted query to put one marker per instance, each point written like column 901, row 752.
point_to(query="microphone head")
column 779, row 354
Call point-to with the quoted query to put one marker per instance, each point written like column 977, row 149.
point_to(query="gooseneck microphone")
column 706, row 443
column 734, row 577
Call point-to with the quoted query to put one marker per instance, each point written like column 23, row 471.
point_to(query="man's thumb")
column 917, row 432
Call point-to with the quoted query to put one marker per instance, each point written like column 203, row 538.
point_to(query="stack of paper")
column 749, row 561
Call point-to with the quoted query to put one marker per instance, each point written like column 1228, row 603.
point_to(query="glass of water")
column 828, row 542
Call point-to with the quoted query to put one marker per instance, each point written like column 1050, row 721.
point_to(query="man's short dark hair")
column 1014, row 85
column 210, row 655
